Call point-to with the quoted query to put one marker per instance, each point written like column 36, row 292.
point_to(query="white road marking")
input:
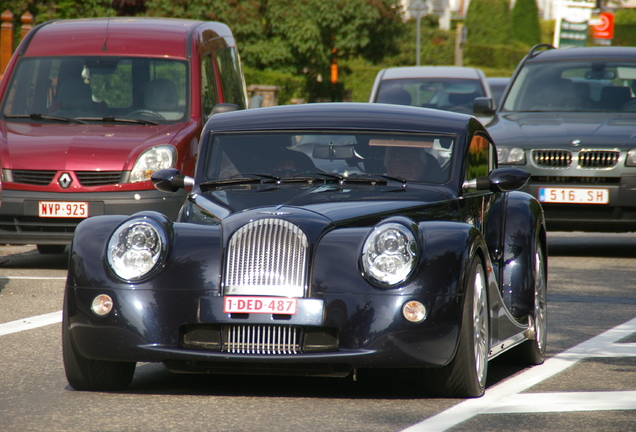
column 506, row 397
column 30, row 323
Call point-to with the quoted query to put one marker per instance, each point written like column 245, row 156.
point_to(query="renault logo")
column 65, row 180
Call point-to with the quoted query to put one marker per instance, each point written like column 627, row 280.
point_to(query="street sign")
column 418, row 9
column 605, row 28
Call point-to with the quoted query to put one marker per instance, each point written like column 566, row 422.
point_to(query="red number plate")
column 264, row 305
column 63, row 209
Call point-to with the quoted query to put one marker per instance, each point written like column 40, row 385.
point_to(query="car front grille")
column 98, row 178
column 552, row 158
column 86, row 178
column 587, row 158
column 39, row 178
column 267, row 257
column 598, row 158
column 262, row 339
column 34, row 224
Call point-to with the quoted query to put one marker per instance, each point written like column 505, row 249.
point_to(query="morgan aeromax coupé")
column 318, row 239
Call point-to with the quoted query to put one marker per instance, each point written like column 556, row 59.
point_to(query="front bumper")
column 20, row 223
column 187, row 330
column 618, row 215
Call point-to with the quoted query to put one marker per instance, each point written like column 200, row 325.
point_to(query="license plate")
column 62, row 209
column 574, row 195
column 263, row 305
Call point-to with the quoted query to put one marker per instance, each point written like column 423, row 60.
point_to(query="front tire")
column 465, row 376
column 97, row 375
column 532, row 351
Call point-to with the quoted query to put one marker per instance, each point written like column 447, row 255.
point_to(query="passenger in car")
column 411, row 163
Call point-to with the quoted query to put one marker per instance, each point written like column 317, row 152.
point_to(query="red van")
column 92, row 107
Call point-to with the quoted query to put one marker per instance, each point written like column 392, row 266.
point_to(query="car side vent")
column 552, row 158
column 598, row 158
column 267, row 257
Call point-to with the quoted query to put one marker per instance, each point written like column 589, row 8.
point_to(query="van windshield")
column 145, row 89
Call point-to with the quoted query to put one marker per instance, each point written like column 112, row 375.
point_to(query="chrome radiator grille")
column 267, row 257
column 262, row 339
column 552, row 158
column 598, row 158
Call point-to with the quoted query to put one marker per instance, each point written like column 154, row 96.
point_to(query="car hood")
column 335, row 203
column 79, row 147
column 549, row 129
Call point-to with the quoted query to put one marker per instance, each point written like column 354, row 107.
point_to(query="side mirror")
column 483, row 106
column 500, row 180
column 170, row 180
column 224, row 107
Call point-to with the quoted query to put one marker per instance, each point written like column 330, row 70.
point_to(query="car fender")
column 524, row 227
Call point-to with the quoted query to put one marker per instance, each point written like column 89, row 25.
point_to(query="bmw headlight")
column 511, row 155
column 136, row 248
column 389, row 254
column 631, row 158
column 151, row 160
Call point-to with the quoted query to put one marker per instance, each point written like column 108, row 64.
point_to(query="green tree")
column 488, row 22
column 525, row 22
column 301, row 36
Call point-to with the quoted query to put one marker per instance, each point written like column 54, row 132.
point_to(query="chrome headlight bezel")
column 152, row 160
column 389, row 254
column 511, row 156
column 137, row 249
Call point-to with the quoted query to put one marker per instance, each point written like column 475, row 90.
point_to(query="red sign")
column 604, row 30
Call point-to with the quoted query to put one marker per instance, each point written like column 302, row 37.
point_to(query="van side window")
column 231, row 73
column 208, row 91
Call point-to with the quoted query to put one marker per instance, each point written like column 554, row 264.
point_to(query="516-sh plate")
column 260, row 305
column 574, row 195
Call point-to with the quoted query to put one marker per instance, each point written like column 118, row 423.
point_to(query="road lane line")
column 566, row 402
column 30, row 323
column 599, row 346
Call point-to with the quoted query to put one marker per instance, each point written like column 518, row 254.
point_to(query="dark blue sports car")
column 318, row 239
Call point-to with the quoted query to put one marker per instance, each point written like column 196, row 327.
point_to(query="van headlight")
column 136, row 249
column 151, row 160
column 389, row 254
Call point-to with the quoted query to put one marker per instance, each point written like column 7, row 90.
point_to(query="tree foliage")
column 488, row 22
column 298, row 36
column 525, row 22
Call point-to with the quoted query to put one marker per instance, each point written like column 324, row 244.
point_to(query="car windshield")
column 146, row 89
column 412, row 157
column 573, row 86
column 451, row 94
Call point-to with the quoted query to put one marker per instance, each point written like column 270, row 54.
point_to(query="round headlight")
column 511, row 155
column 136, row 248
column 388, row 255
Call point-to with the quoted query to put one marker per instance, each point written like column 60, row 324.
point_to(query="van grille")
column 267, row 257
column 86, row 178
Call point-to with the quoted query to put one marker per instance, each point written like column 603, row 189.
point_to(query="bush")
column 291, row 86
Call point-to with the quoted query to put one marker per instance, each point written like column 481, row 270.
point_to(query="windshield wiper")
column 241, row 179
column 375, row 178
column 40, row 117
column 110, row 119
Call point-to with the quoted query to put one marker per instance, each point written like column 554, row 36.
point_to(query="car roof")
column 431, row 72
column 585, row 53
column 131, row 36
column 341, row 116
